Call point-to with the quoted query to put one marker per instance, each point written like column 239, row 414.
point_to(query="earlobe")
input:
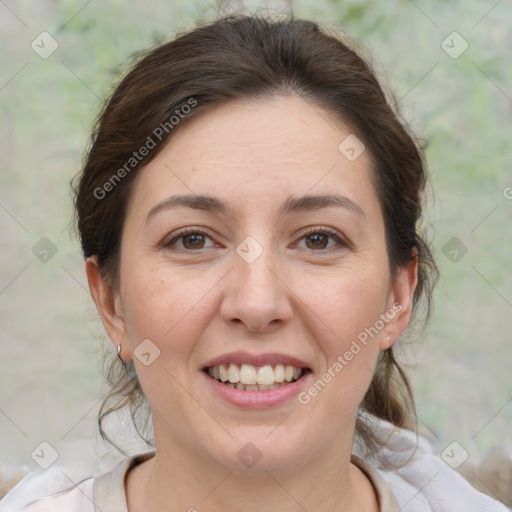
column 108, row 303
column 401, row 303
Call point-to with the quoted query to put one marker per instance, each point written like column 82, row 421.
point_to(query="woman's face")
column 255, row 241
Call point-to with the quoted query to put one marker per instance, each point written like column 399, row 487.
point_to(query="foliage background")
column 50, row 355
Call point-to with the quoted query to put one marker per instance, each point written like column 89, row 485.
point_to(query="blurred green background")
column 460, row 104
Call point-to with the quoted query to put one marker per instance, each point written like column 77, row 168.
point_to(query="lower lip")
column 257, row 399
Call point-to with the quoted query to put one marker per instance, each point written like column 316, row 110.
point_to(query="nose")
column 256, row 297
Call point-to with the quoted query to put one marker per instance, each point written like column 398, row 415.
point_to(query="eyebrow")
column 292, row 204
column 197, row 202
column 315, row 202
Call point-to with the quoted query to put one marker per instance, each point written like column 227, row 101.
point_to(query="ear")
column 400, row 303
column 108, row 303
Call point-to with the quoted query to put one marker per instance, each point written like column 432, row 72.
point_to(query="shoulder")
column 56, row 490
column 30, row 496
column 421, row 480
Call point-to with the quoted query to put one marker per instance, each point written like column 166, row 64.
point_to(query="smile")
column 256, row 381
column 247, row 377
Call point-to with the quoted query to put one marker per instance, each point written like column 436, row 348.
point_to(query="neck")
column 177, row 479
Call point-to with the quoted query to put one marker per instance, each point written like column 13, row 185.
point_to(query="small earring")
column 119, row 355
column 388, row 338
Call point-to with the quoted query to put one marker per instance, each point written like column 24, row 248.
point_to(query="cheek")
column 168, row 310
column 173, row 315
column 346, row 303
column 345, row 319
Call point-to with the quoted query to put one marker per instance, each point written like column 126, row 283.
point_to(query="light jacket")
column 407, row 475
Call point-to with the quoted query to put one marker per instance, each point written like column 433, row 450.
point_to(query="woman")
column 249, row 212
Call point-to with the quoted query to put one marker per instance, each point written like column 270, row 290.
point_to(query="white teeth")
column 248, row 374
column 279, row 373
column 252, row 378
column 266, row 375
column 223, row 371
column 233, row 373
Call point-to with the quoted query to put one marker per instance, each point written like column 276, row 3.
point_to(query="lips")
column 267, row 397
column 249, row 372
column 257, row 360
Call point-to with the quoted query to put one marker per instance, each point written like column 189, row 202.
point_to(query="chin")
column 262, row 449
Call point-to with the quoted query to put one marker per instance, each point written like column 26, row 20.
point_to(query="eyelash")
column 342, row 243
column 182, row 234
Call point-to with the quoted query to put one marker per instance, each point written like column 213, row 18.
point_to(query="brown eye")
column 190, row 240
column 193, row 241
column 322, row 240
column 317, row 241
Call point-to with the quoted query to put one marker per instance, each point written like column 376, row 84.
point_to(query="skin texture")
column 303, row 296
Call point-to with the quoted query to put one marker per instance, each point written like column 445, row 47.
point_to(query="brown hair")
column 240, row 57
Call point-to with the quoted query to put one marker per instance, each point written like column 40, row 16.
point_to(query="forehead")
column 258, row 150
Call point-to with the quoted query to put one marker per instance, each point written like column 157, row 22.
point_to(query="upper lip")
column 255, row 360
